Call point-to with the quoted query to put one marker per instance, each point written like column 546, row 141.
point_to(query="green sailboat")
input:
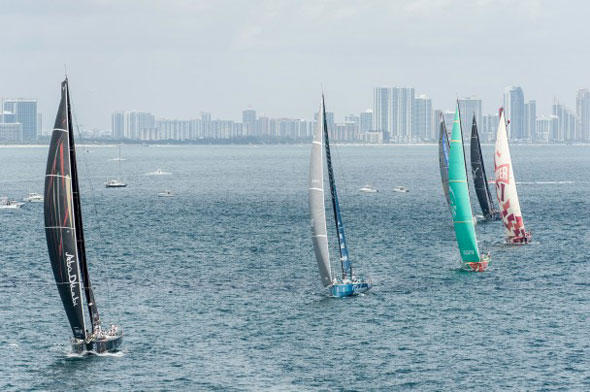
column 463, row 221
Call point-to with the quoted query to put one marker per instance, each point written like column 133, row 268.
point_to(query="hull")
column 340, row 290
column 478, row 266
column 115, row 185
column 520, row 240
column 108, row 344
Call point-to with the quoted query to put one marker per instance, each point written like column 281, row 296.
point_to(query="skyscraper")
column 530, row 120
column 366, row 121
column 566, row 123
column 583, row 115
column 381, row 109
column 402, row 113
column 514, row 111
column 422, row 127
column 469, row 107
column 249, row 122
column 118, row 125
column 25, row 112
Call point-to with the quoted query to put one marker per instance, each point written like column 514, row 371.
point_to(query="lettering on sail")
column 72, row 278
column 503, row 173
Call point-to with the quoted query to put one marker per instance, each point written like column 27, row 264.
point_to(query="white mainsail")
column 506, row 185
column 316, row 202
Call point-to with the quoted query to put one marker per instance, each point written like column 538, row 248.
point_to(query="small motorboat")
column 401, row 189
column 166, row 193
column 6, row 204
column 33, row 198
column 368, row 189
column 115, row 184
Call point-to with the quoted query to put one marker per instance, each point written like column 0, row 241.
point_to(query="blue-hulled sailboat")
column 344, row 283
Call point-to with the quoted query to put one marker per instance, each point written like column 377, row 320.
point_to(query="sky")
column 176, row 58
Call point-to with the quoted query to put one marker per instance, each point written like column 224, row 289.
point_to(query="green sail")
column 459, row 197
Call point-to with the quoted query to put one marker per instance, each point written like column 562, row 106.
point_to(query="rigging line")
column 92, row 198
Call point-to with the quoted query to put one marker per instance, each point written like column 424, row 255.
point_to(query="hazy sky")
column 176, row 58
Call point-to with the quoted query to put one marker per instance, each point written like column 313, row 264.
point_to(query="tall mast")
column 343, row 249
column 92, row 309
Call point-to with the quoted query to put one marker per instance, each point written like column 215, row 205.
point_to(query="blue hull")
column 340, row 290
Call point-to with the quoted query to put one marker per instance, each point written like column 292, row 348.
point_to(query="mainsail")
column 480, row 179
column 459, row 197
column 506, row 186
column 344, row 259
column 443, row 158
column 316, row 202
column 63, row 222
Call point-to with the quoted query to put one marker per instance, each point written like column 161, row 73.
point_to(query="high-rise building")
column 118, row 125
column 381, row 109
column 402, row 114
column 469, row 107
column 366, row 121
column 249, row 122
column 449, row 117
column 546, row 129
column 422, row 127
column 489, row 127
column 566, row 123
column 11, row 132
column 530, row 120
column 583, row 115
column 514, row 112
column 24, row 112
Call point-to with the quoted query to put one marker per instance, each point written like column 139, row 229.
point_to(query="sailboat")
column 116, row 183
column 480, row 179
column 65, row 239
column 345, row 283
column 506, row 188
column 443, row 158
column 463, row 220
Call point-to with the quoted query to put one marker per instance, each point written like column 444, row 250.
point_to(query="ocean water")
column 218, row 289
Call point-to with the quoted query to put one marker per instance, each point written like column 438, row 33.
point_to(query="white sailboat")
column 114, row 182
column 346, row 283
column 506, row 189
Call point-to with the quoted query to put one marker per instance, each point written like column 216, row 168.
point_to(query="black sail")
column 60, row 224
column 443, row 158
column 480, row 180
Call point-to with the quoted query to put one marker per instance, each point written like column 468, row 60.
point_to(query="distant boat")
column 166, row 194
column 158, row 172
column 480, row 179
column 347, row 283
column 368, row 189
column 65, row 239
column 6, row 204
column 401, row 189
column 33, row 198
column 463, row 221
column 443, row 158
column 506, row 189
column 116, row 183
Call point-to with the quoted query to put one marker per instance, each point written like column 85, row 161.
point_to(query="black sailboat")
column 443, row 158
column 65, row 238
column 480, row 179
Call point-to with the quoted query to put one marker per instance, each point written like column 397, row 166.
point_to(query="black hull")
column 98, row 346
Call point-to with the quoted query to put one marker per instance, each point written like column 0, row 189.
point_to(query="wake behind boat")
column 506, row 189
column 463, row 221
column 65, row 239
column 33, row 198
column 158, row 172
column 347, row 283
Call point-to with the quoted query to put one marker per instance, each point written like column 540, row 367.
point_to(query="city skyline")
column 276, row 55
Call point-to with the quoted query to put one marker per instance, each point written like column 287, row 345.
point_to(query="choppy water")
column 218, row 289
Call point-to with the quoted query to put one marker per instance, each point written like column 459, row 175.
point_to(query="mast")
column 480, row 180
column 343, row 249
column 92, row 309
